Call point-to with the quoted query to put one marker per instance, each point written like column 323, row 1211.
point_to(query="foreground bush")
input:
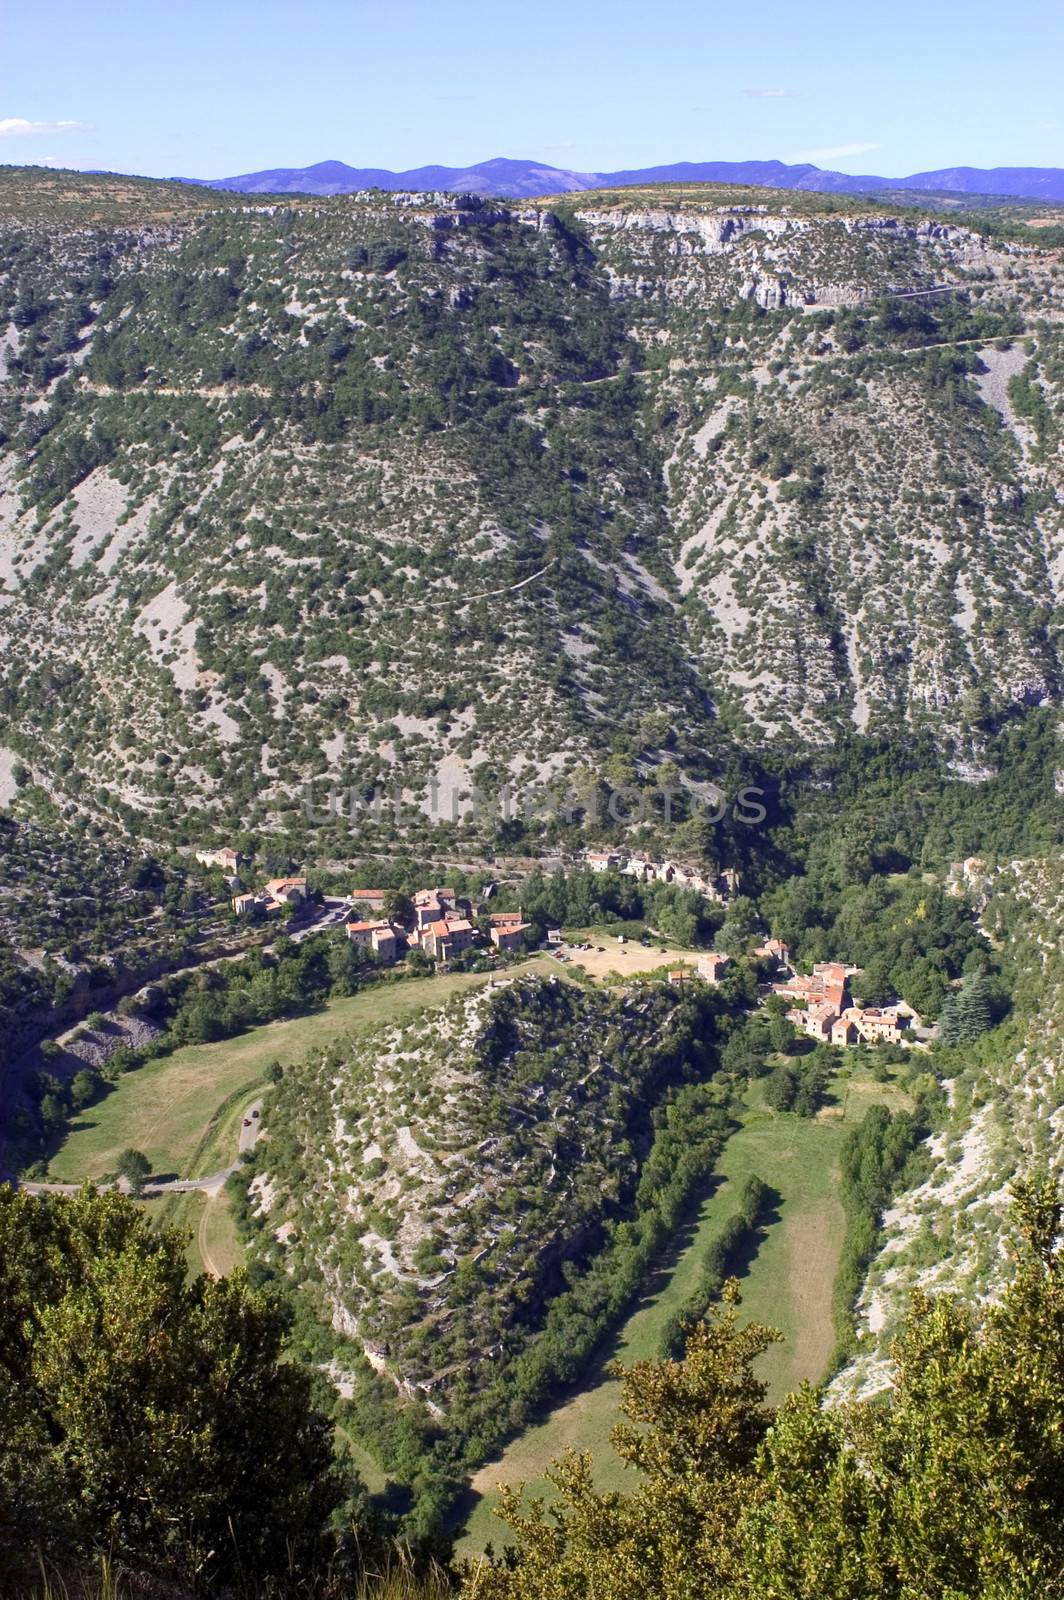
column 143, row 1415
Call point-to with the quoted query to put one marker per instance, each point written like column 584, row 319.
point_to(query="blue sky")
column 201, row 89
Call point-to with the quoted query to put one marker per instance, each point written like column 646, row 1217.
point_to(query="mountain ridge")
column 387, row 489
column 507, row 178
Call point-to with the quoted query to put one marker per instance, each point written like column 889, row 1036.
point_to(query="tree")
column 398, row 908
column 346, row 962
column 698, row 1425
column 781, row 1032
column 83, row 1089
column 966, row 1012
column 781, row 1087
column 740, row 924
column 949, row 1028
column 974, row 1007
column 957, row 1486
column 143, row 1413
column 134, row 1166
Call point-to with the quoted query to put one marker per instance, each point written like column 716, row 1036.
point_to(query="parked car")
column 254, row 1113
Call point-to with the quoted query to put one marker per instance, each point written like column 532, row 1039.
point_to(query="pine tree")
column 973, row 1010
column 949, row 1024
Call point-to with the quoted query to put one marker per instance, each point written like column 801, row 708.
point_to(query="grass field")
column 214, row 1246
column 183, row 1111
column 367, row 1467
column 166, row 1108
column 788, row 1284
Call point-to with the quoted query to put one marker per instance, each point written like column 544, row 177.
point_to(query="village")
column 824, row 1009
column 439, row 921
column 443, row 924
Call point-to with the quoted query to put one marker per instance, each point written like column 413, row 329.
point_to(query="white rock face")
column 950, row 1232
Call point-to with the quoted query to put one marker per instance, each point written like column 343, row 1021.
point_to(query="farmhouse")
column 817, row 1020
column 843, row 1029
column 441, row 925
column 228, row 860
column 825, row 984
column 441, row 940
column 639, row 868
column 826, row 1013
column 427, row 908
column 965, row 875
column 643, row 870
column 874, row 1023
column 711, row 966
column 777, row 950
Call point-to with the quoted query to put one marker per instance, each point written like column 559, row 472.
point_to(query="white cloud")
column 832, row 152
column 20, row 128
column 768, row 94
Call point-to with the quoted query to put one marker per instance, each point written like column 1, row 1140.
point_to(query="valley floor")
column 168, row 1108
column 184, row 1111
column 786, row 1283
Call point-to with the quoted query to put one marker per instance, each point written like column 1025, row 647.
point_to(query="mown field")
column 213, row 1246
column 787, row 1283
column 607, row 959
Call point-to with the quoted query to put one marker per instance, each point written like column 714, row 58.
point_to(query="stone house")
column 380, row 937
column 368, row 899
column 287, row 891
column 228, row 860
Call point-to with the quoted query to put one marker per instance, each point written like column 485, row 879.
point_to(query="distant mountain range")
column 505, row 178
